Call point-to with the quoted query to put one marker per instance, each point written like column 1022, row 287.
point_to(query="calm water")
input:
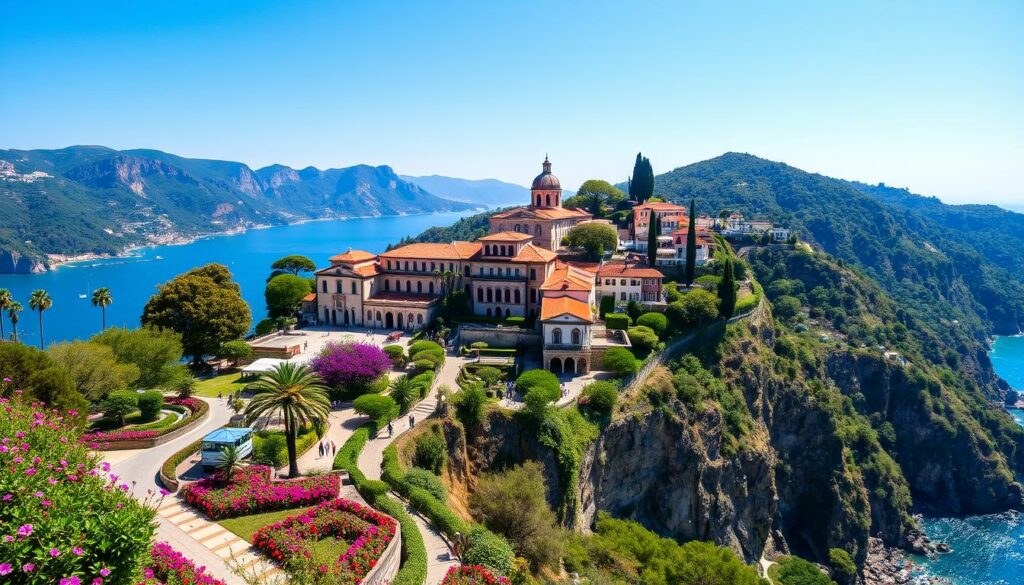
column 249, row 255
column 987, row 550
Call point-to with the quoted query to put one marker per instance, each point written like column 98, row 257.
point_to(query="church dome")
column 546, row 180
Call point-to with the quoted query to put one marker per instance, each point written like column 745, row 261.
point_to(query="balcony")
column 566, row 346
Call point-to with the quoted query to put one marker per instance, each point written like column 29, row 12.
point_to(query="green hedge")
column 607, row 305
column 616, row 321
column 170, row 466
column 747, row 303
column 493, row 351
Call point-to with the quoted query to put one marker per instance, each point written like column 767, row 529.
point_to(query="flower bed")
column 167, row 565
column 252, row 492
column 472, row 575
column 111, row 440
column 292, row 540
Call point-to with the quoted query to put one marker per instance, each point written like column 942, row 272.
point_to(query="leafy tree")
column 204, row 306
column 284, row 294
column 691, row 245
column 295, row 394
column 292, row 264
column 657, row 322
column 607, row 305
column 120, row 404
column 595, row 196
column 234, row 350
column 653, row 231
column 489, row 375
column 671, row 291
column 5, row 303
column 431, row 451
column 797, row 571
column 102, row 298
column 643, row 338
column 93, row 368
column 404, row 391
column 620, row 361
column 727, row 290
column 376, row 406
column 149, row 404
column 593, row 238
column 601, row 395
column 40, row 301
column 13, row 310
column 542, row 380
column 634, row 310
column 697, row 307
column 185, row 386
column 35, row 372
column 155, row 353
column 786, row 306
column 469, row 405
column 513, row 503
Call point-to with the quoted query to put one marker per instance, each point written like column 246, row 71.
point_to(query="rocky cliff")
column 12, row 262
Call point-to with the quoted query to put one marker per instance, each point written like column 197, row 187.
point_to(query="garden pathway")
column 439, row 555
column 341, row 423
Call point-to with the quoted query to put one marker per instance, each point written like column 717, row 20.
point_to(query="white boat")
column 83, row 296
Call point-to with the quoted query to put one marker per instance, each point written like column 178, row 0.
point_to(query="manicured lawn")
column 133, row 422
column 327, row 549
column 223, row 385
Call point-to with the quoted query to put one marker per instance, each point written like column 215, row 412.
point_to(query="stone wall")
column 503, row 337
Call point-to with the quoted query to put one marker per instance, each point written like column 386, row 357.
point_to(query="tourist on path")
column 391, row 429
column 412, row 421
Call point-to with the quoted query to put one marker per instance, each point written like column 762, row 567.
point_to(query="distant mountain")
column 491, row 192
column 96, row 200
column 944, row 262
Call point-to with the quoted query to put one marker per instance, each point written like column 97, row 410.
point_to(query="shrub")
column 266, row 327
column 797, row 571
column 657, row 322
column 120, row 404
column 149, row 404
column 404, row 392
column 601, row 396
column 354, row 366
column 167, row 565
column 396, row 354
column 424, row 365
column 699, row 306
column 271, row 449
column 431, row 451
column 423, row 381
column 489, row 375
column 843, row 567
column 478, row 345
column 83, row 507
column 607, row 305
column 616, row 321
column 643, row 338
column 376, row 407
column 472, row 575
column 425, row 479
column 487, row 549
column 469, row 405
column 671, row 290
column 620, row 361
column 786, row 306
column 542, row 380
column 424, row 345
column 170, row 467
column 414, row 552
column 436, row 359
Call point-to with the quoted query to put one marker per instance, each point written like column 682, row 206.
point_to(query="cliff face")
column 663, row 470
column 12, row 262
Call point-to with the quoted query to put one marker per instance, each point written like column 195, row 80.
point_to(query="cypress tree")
column 691, row 245
column 727, row 291
column 637, row 179
column 653, row 231
column 648, row 183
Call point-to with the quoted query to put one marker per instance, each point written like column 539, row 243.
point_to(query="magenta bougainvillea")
column 251, row 491
column 472, row 575
column 167, row 565
column 351, row 364
column 293, row 538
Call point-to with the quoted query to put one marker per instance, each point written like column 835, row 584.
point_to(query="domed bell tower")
column 546, row 190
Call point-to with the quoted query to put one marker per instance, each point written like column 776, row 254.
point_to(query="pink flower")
column 78, row 551
column 105, row 572
column 25, row 530
column 54, row 552
column 72, row 580
column 6, row 568
column 28, row 567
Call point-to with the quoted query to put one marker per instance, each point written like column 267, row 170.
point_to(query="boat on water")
column 83, row 296
column 159, row 258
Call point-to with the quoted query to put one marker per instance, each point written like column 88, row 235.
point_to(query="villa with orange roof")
column 672, row 216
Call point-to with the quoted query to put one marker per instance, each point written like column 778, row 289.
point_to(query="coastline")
column 69, row 261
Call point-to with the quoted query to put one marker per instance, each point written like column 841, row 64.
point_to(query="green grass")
column 326, row 549
column 134, row 422
column 222, row 385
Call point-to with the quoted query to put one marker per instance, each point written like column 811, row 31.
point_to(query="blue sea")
column 987, row 550
column 248, row 255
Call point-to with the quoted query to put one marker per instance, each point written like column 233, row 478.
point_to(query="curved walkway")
column 439, row 554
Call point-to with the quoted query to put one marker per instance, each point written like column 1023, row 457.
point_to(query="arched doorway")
column 409, row 321
column 389, row 320
column 400, row 320
column 334, row 317
column 556, row 366
column 346, row 316
column 570, row 365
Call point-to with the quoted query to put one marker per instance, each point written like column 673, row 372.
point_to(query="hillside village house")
column 512, row 271
column 672, row 217
column 705, row 248
column 629, row 281
column 735, row 225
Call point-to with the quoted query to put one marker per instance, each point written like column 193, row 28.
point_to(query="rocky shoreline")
column 888, row 565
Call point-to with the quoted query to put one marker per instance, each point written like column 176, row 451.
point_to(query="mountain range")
column 85, row 200
column 490, row 192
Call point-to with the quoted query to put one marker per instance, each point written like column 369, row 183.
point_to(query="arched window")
column 466, row 271
column 508, row 313
column 323, row 285
column 490, row 296
column 556, row 335
column 480, row 294
column 576, row 336
column 548, row 199
column 378, row 315
column 369, row 315
column 419, row 286
column 327, row 314
column 538, row 200
column 519, row 297
column 431, row 288
column 408, row 286
column 508, row 296
column 432, row 265
column 517, row 228
column 406, row 265
column 487, row 249
column 337, row 286
column 387, row 285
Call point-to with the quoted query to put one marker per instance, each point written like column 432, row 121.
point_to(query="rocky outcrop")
column 12, row 262
column 664, row 470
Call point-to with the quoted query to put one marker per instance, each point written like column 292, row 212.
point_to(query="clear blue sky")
column 928, row 95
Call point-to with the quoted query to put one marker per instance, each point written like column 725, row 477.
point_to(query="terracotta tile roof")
column 565, row 277
column 505, row 236
column 703, row 236
column 534, row 253
column 309, row 298
column 590, row 267
column 661, row 206
column 621, row 269
column 367, row 271
column 353, row 256
column 551, row 308
column 434, row 251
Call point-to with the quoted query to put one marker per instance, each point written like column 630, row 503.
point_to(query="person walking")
column 334, row 449
column 391, row 429
column 412, row 421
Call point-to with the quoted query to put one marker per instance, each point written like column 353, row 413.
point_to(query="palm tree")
column 5, row 303
column 101, row 298
column 296, row 394
column 186, row 386
column 40, row 300
column 12, row 311
column 229, row 461
column 404, row 392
